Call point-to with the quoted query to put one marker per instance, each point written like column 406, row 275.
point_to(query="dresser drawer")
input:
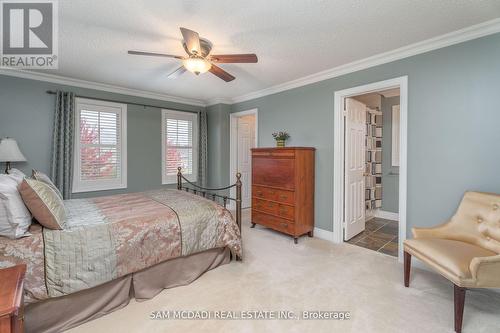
column 263, row 192
column 280, row 153
column 286, row 211
column 287, row 197
column 267, row 193
column 273, row 222
column 277, row 172
column 265, row 206
column 284, row 153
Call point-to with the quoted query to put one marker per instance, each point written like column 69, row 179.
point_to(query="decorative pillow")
column 44, row 203
column 15, row 219
column 40, row 176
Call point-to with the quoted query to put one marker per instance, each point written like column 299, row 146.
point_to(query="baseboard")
column 323, row 234
column 382, row 214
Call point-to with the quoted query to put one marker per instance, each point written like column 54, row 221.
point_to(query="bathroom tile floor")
column 380, row 235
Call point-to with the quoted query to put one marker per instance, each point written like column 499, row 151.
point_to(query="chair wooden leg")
column 407, row 264
column 459, row 307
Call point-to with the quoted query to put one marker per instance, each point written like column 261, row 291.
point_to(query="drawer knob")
column 284, row 224
column 283, row 196
column 259, row 193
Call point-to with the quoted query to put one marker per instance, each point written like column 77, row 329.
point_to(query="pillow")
column 17, row 174
column 15, row 219
column 40, row 176
column 44, row 203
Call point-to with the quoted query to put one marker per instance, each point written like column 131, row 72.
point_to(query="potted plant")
column 280, row 138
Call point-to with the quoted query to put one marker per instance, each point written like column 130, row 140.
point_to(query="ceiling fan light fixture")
column 199, row 59
column 197, row 65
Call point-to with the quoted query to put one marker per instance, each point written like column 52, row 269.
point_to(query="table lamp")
column 9, row 152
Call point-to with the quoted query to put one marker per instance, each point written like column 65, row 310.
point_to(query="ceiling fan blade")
column 154, row 54
column 192, row 40
column 175, row 74
column 234, row 58
column 217, row 71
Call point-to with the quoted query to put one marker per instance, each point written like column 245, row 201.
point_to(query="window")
column 100, row 146
column 179, row 145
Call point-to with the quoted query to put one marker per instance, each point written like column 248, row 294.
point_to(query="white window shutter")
column 100, row 146
column 179, row 145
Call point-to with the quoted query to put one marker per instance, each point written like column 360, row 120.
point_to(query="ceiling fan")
column 199, row 60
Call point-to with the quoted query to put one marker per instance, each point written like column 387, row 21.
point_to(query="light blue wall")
column 453, row 126
column 218, row 145
column 26, row 114
column 390, row 174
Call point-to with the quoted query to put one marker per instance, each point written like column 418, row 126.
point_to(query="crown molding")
column 455, row 37
column 214, row 101
column 98, row 86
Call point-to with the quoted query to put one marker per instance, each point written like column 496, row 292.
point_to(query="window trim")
column 99, row 185
column 183, row 115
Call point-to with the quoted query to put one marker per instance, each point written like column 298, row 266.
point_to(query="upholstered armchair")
column 465, row 250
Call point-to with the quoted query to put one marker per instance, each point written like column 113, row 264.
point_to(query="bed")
column 119, row 247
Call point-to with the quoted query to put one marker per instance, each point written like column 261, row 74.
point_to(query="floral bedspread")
column 109, row 237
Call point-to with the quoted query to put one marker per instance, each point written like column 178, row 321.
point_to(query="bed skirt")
column 62, row 313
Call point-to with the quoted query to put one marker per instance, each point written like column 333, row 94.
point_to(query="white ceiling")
column 292, row 38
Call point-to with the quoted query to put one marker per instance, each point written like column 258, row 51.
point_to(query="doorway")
column 364, row 212
column 372, row 171
column 243, row 137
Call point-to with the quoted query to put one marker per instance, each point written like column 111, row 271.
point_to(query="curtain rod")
column 51, row 92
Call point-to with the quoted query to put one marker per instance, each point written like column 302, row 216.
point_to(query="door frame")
column 338, row 154
column 233, row 138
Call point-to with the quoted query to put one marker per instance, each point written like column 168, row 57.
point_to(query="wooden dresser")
column 283, row 189
column 11, row 299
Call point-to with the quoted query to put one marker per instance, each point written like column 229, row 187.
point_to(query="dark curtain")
column 62, row 143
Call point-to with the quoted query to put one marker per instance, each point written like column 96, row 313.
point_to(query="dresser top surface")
column 283, row 148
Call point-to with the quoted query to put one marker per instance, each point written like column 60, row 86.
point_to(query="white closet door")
column 354, row 208
column 246, row 141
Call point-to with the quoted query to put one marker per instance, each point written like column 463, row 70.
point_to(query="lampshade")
column 9, row 151
column 197, row 65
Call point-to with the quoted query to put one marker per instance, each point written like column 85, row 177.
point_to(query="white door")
column 245, row 141
column 354, row 197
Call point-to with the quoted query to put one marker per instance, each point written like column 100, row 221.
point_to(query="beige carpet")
column 278, row 275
